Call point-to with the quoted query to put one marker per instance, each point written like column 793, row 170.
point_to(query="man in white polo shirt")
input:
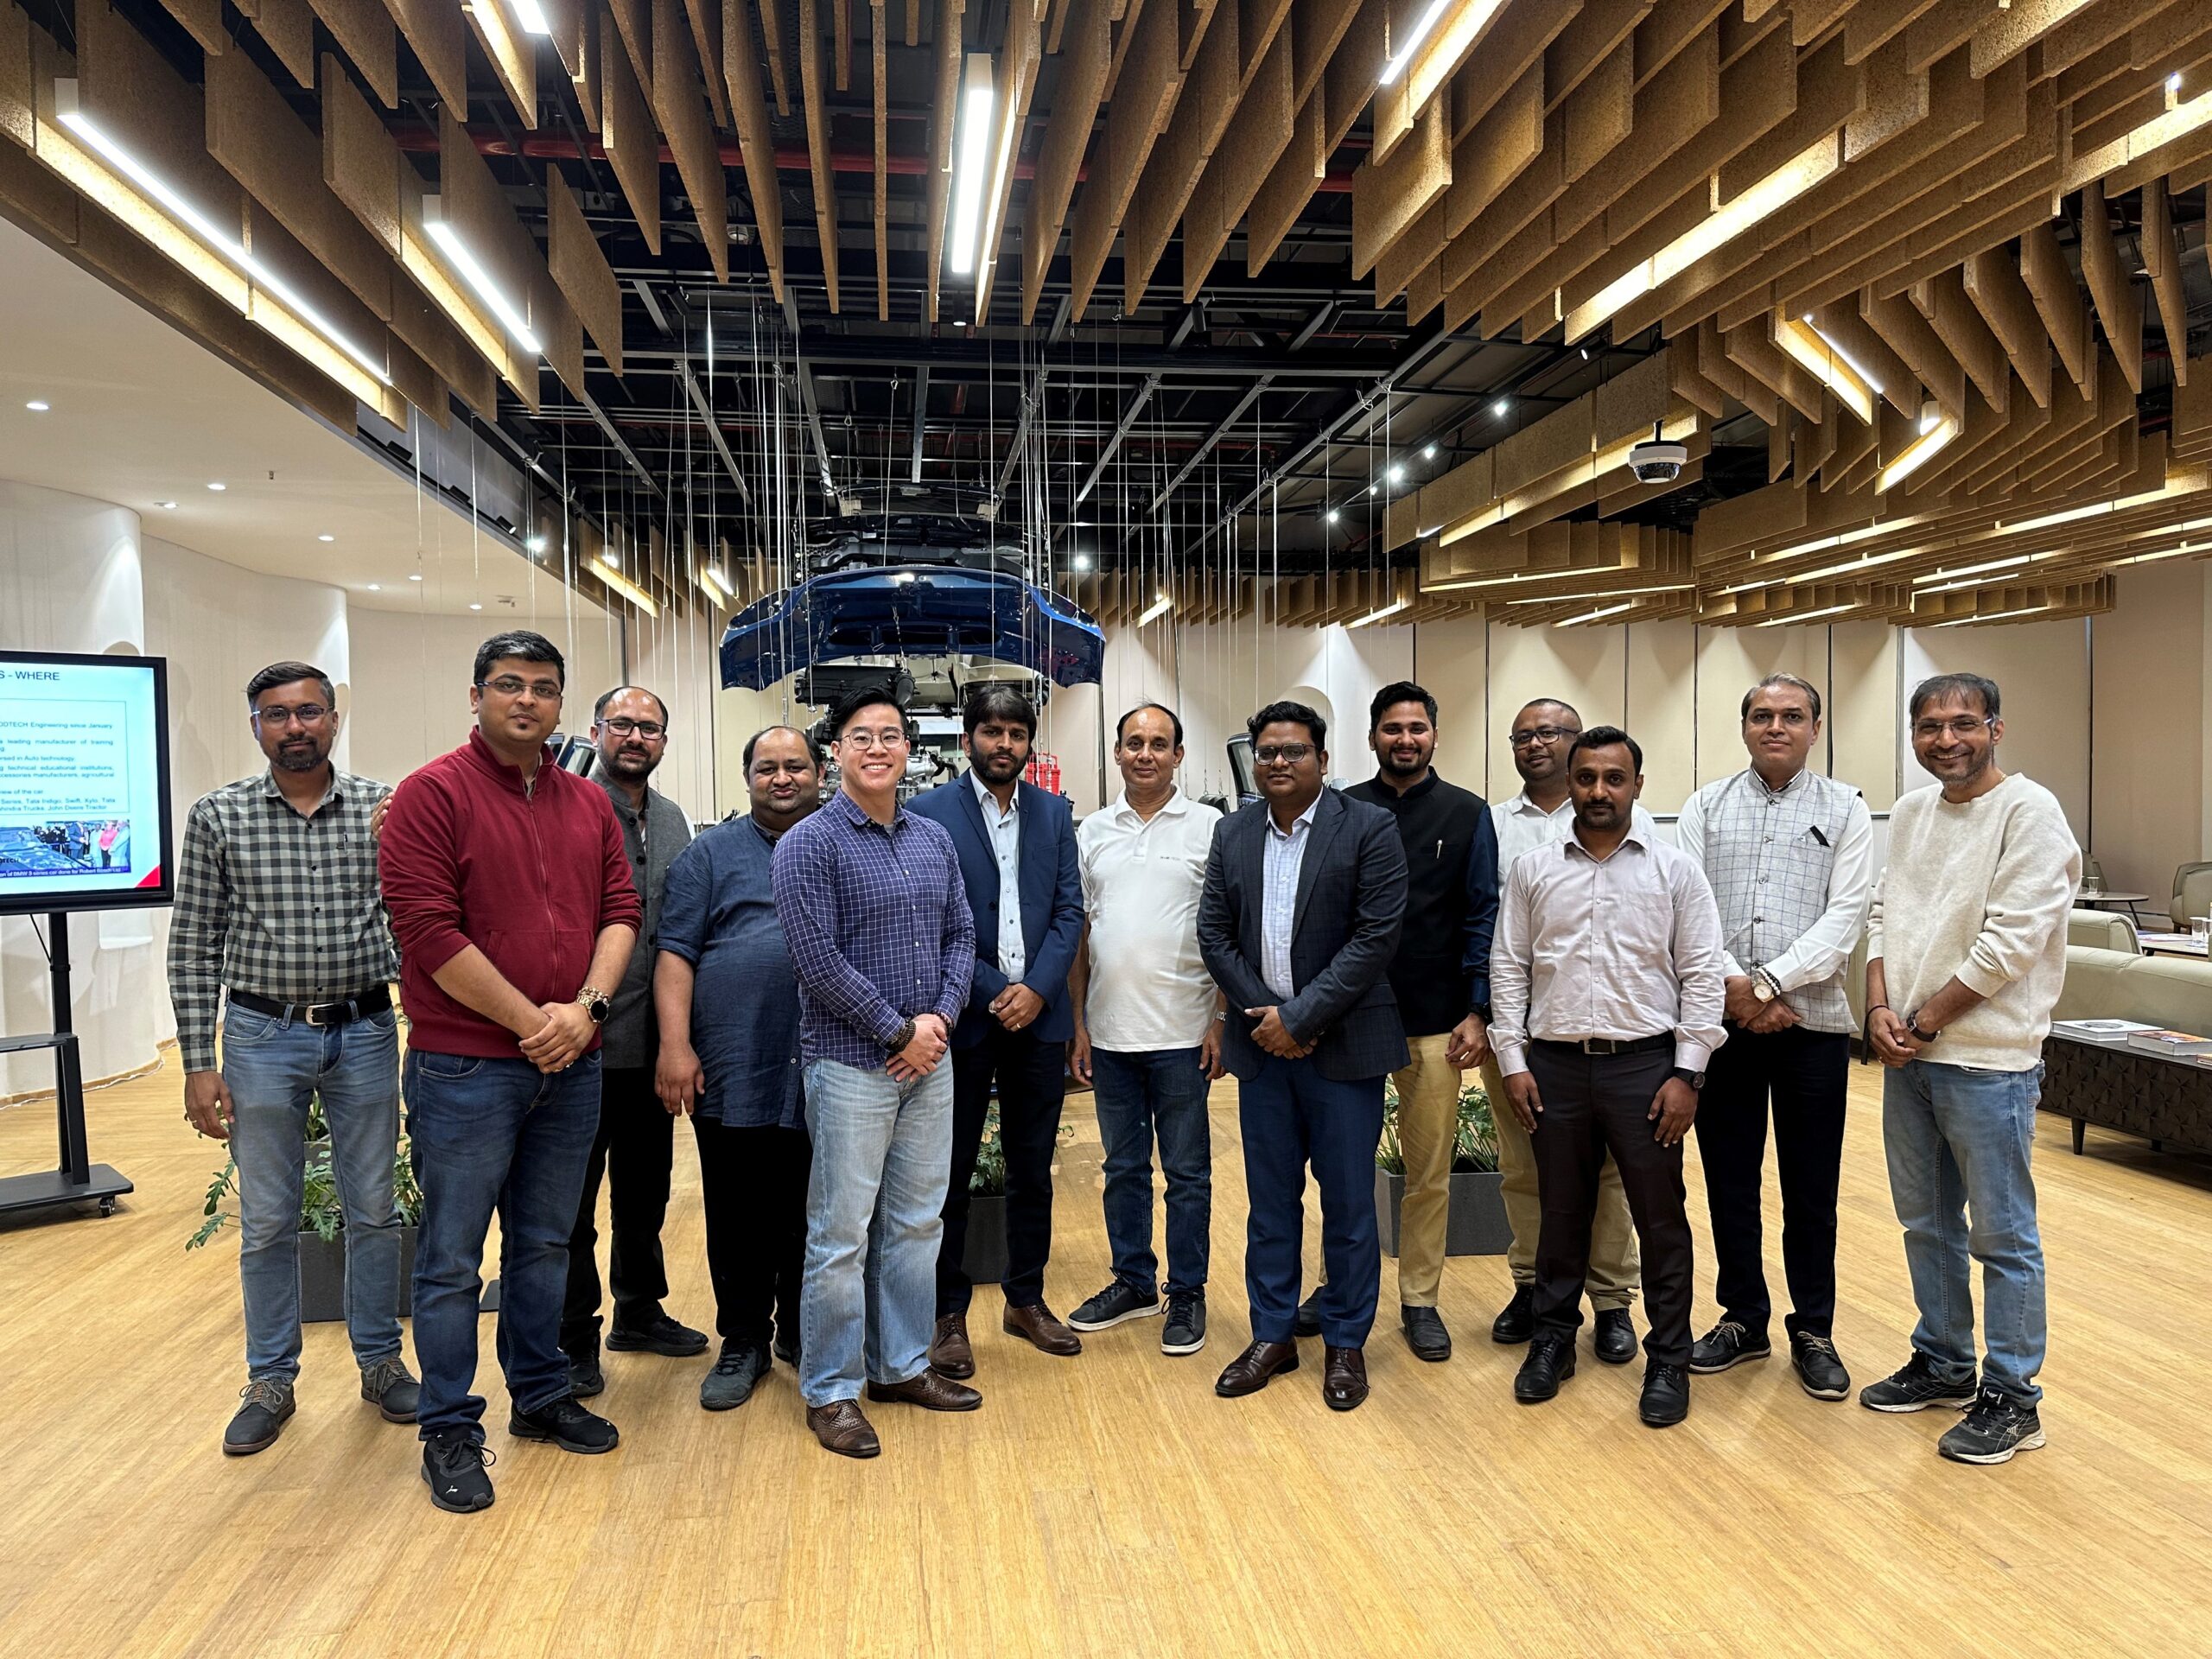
column 1147, row 1033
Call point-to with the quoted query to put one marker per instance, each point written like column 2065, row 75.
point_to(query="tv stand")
column 76, row 1180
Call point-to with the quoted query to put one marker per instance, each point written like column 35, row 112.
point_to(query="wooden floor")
column 1112, row 1504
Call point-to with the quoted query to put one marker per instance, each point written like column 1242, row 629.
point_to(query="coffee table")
column 2164, row 1098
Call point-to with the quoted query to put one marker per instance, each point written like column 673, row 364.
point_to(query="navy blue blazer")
column 1052, row 902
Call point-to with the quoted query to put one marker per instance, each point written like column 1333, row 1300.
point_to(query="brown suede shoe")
column 1249, row 1372
column 843, row 1428
column 931, row 1390
column 950, row 1354
column 1037, row 1324
column 1344, row 1378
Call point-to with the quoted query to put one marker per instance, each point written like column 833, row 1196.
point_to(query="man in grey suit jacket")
column 1298, row 922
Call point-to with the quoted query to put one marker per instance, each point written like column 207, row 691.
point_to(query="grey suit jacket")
column 1351, row 901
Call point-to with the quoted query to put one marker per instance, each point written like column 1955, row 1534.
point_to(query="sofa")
column 2167, row 1103
column 2108, row 930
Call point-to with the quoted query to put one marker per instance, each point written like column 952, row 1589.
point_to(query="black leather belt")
column 342, row 1013
column 1603, row 1046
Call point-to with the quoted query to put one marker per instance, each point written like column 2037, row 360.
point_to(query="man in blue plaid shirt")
column 279, row 914
column 876, row 919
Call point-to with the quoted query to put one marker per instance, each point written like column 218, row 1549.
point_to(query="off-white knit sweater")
column 1979, row 889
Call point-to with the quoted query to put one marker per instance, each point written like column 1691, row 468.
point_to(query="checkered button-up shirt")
column 276, row 904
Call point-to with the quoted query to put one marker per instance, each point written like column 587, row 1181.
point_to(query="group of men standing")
column 839, row 993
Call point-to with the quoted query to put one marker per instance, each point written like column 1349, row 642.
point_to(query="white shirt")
column 1150, row 988
column 1005, row 830
column 1285, row 854
column 1622, row 947
column 1822, row 949
column 1522, row 826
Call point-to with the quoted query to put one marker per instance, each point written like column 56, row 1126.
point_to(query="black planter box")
column 985, row 1256
column 323, row 1276
column 1475, row 1225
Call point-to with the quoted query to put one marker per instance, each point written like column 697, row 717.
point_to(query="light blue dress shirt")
column 1278, row 908
column 1005, row 829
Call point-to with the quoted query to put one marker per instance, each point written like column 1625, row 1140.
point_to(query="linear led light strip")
column 1937, row 429
column 1994, row 616
column 713, row 583
column 72, row 115
column 1159, row 607
column 1595, row 616
column 976, row 97
column 604, row 569
column 1810, row 350
column 1787, row 617
column 472, row 271
column 1391, row 609
column 531, row 16
column 1605, row 592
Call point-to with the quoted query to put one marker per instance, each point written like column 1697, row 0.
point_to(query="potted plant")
column 323, row 1224
column 1477, row 1224
column 984, row 1258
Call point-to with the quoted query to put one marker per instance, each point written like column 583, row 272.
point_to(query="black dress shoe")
column 1615, row 1336
column 1666, row 1398
column 1425, row 1332
column 661, row 1336
column 1308, row 1323
column 1730, row 1343
column 1344, row 1378
column 1249, row 1372
column 1516, row 1320
column 1820, row 1370
column 1550, row 1363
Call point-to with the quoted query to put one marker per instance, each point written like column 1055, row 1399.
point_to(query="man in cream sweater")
column 1967, row 952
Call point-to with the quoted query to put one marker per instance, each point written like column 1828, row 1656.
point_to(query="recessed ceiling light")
column 168, row 506
column 1083, row 560
column 418, row 577
column 473, row 605
column 219, row 488
column 1500, row 408
column 38, row 405
column 1428, row 452
column 1331, row 516
column 376, row 588
column 325, row 538
column 1397, row 474
column 536, row 544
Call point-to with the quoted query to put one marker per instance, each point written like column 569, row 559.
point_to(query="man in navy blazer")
column 1298, row 922
column 1018, row 857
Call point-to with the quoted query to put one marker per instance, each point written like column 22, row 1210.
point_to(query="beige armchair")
column 2192, row 893
column 2106, row 930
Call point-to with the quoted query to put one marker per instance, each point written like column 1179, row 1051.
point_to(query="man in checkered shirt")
column 1789, row 853
column 277, row 904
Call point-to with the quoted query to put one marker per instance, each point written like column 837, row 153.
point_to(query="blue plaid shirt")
column 877, row 922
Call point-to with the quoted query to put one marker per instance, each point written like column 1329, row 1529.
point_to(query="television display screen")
column 84, row 783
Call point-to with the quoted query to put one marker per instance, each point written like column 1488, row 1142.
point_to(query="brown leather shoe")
column 843, row 1427
column 1344, row 1378
column 950, row 1354
column 931, row 1390
column 1249, row 1372
column 1037, row 1324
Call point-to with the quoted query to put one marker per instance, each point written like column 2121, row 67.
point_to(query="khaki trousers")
column 1615, row 1269
column 1428, row 1119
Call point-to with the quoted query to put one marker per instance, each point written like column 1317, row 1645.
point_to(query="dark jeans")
column 1291, row 1117
column 487, row 1135
column 1804, row 1072
column 633, row 1151
column 1160, row 1091
column 753, row 1183
column 1031, row 1079
column 1595, row 1104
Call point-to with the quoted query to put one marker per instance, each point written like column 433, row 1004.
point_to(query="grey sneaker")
column 266, row 1406
column 1186, row 1330
column 1917, row 1388
column 730, row 1384
column 1997, row 1425
column 1118, row 1301
column 392, row 1387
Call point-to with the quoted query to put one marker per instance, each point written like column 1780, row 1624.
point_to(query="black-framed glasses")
column 1288, row 753
column 307, row 714
column 623, row 726
column 1960, row 725
column 1522, row 739
column 509, row 685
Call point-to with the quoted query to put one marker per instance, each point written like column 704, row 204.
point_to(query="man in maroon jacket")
column 511, row 899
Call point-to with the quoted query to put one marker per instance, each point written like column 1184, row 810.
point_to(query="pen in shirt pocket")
column 1815, row 833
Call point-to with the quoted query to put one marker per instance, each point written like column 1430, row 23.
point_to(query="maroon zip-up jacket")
column 528, row 876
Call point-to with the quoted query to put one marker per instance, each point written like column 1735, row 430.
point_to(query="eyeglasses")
column 890, row 738
column 1521, row 740
column 1768, row 717
column 276, row 714
column 622, row 725
column 1961, row 726
column 508, row 685
column 1289, row 753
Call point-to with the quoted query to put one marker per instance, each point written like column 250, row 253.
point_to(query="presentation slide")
column 84, row 782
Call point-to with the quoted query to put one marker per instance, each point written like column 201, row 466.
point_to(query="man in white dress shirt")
column 1791, row 855
column 1606, row 995
column 1542, row 815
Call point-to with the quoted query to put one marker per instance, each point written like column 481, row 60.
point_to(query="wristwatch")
column 1912, row 1030
column 1683, row 1074
column 594, row 1003
column 1763, row 986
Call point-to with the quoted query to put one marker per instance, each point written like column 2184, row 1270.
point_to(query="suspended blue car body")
column 912, row 610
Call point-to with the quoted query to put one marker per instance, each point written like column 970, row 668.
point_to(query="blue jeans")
column 1292, row 1116
column 1137, row 1095
column 275, row 1068
column 874, row 1218
column 486, row 1136
column 1958, row 1140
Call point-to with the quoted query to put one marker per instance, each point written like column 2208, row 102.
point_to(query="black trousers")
column 1032, row 1083
column 1803, row 1073
column 1594, row 1105
column 753, row 1182
column 632, row 1152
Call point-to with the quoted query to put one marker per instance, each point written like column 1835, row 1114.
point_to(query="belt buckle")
column 318, row 1013
column 1603, row 1047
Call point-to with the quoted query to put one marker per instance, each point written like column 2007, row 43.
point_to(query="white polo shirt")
column 1150, row 988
